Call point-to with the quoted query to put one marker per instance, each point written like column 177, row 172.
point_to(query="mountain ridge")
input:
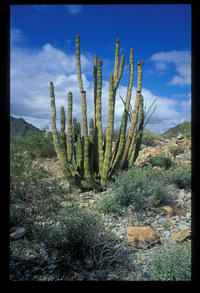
column 20, row 127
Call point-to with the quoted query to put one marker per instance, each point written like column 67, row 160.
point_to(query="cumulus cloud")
column 181, row 60
column 32, row 70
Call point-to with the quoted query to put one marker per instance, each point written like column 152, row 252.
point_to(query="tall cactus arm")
column 116, row 59
column 69, row 128
column 125, row 114
column 121, row 67
column 84, row 115
column 95, row 87
column 91, row 144
column 78, row 63
column 66, row 170
column 134, row 117
column 109, row 135
column 79, row 151
column 98, row 130
column 53, row 121
column 136, row 149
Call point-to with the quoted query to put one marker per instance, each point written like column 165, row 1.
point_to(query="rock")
column 161, row 221
column 141, row 237
column 180, row 236
column 18, row 233
column 157, row 141
column 179, row 212
column 180, row 136
column 168, row 210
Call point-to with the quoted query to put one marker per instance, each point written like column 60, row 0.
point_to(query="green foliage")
column 185, row 129
column 161, row 161
column 81, row 241
column 37, row 144
column 148, row 138
column 173, row 263
column 141, row 187
column 40, row 144
column 180, row 175
column 176, row 150
column 30, row 186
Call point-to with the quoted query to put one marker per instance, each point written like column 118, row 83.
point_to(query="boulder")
column 141, row 237
column 18, row 233
column 180, row 236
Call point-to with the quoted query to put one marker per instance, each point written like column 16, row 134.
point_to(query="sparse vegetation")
column 148, row 138
column 76, row 237
column 161, row 161
column 180, row 175
column 141, row 187
column 173, row 263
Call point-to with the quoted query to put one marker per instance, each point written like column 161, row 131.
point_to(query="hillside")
column 183, row 128
column 19, row 127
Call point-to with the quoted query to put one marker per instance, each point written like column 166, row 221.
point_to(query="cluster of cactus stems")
column 90, row 158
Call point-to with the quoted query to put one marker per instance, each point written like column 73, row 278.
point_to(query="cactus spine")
column 89, row 154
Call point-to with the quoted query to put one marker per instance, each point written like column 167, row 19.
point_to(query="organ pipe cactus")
column 88, row 159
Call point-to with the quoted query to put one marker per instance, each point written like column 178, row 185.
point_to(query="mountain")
column 183, row 128
column 19, row 127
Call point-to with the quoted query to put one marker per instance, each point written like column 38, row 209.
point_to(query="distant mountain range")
column 19, row 127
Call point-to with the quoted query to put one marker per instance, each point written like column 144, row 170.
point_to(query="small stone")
column 168, row 210
column 161, row 220
column 143, row 257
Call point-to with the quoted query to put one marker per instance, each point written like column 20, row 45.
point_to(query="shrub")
column 39, row 144
column 176, row 150
column 173, row 263
column 148, row 138
column 141, row 187
column 81, row 241
column 180, row 175
column 161, row 161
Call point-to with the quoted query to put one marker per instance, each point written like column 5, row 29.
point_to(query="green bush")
column 81, row 241
column 161, row 161
column 39, row 144
column 141, row 187
column 176, row 150
column 180, row 175
column 173, row 263
column 148, row 138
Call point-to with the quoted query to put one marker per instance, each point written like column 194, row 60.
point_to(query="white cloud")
column 16, row 36
column 74, row 9
column 31, row 72
column 181, row 60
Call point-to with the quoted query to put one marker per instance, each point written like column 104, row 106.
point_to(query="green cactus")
column 99, row 132
column 69, row 128
column 134, row 119
column 136, row 148
column 109, row 133
column 90, row 158
column 53, row 121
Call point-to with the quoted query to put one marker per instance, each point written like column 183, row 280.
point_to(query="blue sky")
column 43, row 50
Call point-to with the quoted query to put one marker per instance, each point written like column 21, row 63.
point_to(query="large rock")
column 141, row 237
column 18, row 233
column 180, row 236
